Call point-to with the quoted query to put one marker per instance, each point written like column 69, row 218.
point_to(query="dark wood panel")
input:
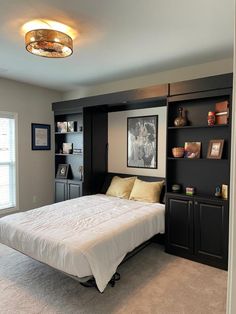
column 179, row 225
column 211, row 231
column 87, row 117
column 202, row 84
column 140, row 94
column 74, row 190
column 99, row 149
column 60, row 190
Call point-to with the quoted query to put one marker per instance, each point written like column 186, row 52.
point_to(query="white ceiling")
column 117, row 38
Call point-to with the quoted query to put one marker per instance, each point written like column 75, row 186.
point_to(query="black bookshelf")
column 71, row 186
column 197, row 226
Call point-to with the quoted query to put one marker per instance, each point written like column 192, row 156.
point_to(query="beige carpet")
column 151, row 282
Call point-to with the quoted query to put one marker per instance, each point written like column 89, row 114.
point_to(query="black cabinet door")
column 179, row 225
column 60, row 191
column 211, row 231
column 74, row 190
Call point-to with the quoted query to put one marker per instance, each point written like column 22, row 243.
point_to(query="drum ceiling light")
column 48, row 43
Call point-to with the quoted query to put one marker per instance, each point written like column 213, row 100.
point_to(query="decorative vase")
column 180, row 120
column 178, row 152
column 211, row 118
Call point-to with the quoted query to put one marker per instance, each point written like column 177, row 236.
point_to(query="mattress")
column 85, row 236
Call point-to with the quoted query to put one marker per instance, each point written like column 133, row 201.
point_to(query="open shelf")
column 57, row 154
column 198, row 127
column 182, row 158
column 61, row 133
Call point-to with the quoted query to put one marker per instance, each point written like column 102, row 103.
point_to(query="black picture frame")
column 148, row 141
column 62, row 171
column 40, row 136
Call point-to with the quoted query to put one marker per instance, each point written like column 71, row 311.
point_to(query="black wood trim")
column 123, row 97
column 200, row 95
column 202, row 84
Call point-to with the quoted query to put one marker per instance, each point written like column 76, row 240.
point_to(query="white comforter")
column 85, row 236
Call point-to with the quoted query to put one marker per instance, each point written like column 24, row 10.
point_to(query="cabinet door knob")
column 196, row 203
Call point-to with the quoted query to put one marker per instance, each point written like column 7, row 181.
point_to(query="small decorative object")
column 71, row 126
column 176, row 188
column 62, row 171
column 81, row 129
column 67, row 148
column 218, row 191
column 178, row 152
column 142, row 142
column 62, row 127
column 222, row 112
column 180, row 121
column 192, row 150
column 211, row 118
column 224, row 191
column 41, row 136
column 215, row 149
column 190, row 191
column 77, row 151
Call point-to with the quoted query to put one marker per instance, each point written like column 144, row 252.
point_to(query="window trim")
column 16, row 208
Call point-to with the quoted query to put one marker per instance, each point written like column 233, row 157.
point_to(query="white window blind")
column 7, row 161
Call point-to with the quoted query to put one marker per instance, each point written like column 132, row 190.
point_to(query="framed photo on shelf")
column 215, row 149
column 40, row 136
column 62, row 171
column 71, row 126
column 142, row 142
column 67, row 148
column 192, row 150
column 62, row 127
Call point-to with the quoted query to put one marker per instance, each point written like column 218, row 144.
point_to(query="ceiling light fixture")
column 49, row 43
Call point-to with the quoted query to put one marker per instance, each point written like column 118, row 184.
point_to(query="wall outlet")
column 34, row 199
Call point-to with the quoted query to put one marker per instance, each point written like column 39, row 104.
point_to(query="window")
column 7, row 161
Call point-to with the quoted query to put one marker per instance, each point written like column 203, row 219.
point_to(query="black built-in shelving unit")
column 196, row 226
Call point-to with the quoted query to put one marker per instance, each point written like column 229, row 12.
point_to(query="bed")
column 83, row 237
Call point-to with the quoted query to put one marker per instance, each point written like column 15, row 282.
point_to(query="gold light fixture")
column 49, row 43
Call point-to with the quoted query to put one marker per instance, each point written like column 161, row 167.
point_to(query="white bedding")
column 85, row 236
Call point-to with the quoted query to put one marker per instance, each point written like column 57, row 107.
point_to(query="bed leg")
column 115, row 277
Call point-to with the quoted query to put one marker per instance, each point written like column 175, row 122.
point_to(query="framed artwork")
column 72, row 126
column 142, row 142
column 215, row 149
column 62, row 171
column 40, row 136
column 192, row 150
column 62, row 127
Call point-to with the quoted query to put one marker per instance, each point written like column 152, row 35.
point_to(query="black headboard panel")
column 110, row 175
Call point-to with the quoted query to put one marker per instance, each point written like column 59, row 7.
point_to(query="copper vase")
column 180, row 120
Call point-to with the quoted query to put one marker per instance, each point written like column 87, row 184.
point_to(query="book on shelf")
column 222, row 112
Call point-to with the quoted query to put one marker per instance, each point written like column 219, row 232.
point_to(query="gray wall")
column 35, row 168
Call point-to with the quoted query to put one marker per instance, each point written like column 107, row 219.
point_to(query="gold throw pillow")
column 121, row 187
column 146, row 191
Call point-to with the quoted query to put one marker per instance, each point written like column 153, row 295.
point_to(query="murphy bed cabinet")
column 197, row 226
